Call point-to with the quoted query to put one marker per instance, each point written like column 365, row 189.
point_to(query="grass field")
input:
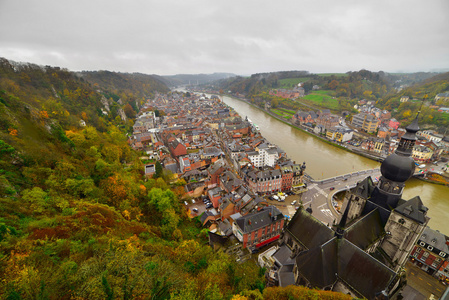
column 291, row 82
column 281, row 112
column 288, row 111
column 323, row 99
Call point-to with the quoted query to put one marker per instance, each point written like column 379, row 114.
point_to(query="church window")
column 430, row 248
column 422, row 244
column 442, row 254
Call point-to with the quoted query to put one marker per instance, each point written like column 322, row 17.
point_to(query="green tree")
column 158, row 172
column 36, row 198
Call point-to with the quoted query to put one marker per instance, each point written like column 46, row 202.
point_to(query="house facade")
column 260, row 228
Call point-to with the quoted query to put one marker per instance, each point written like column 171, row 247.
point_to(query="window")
column 425, row 254
column 436, row 262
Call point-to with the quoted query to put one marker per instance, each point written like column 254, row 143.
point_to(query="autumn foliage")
column 78, row 219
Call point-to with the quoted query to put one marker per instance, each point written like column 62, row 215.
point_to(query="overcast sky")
column 244, row 37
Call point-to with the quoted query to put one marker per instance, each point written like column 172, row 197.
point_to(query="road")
column 319, row 194
column 423, row 282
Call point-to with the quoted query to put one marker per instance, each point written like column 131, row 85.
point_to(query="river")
column 324, row 160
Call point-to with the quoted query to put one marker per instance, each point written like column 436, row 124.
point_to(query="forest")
column 78, row 219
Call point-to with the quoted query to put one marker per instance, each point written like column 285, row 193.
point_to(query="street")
column 319, row 194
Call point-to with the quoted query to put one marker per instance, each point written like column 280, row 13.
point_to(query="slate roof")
column 365, row 274
column 259, row 219
column 413, row 209
column 308, row 230
column 364, row 188
column 436, row 239
column 341, row 260
column 365, row 231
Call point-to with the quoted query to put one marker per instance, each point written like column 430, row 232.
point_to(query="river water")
column 324, row 160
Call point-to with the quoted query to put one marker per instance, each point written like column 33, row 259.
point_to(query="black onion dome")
column 398, row 168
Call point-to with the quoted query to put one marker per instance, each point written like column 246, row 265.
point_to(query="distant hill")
column 193, row 79
column 436, row 78
column 137, row 83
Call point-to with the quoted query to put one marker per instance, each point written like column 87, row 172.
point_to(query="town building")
column 431, row 253
column 340, row 134
column 422, row 153
column 259, row 228
column 366, row 122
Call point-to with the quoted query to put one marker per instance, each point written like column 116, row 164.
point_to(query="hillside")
column 193, row 79
column 426, row 90
column 139, row 84
column 78, row 220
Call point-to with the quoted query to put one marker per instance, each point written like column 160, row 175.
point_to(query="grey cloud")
column 168, row 37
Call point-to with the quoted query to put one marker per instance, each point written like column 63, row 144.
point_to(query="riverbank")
column 442, row 179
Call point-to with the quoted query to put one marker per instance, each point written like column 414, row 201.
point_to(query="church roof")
column 413, row 209
column 365, row 231
column 364, row 273
column 364, row 188
column 397, row 167
column 339, row 259
column 320, row 264
column 308, row 230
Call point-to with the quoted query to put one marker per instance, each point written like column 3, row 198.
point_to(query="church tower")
column 407, row 219
column 396, row 169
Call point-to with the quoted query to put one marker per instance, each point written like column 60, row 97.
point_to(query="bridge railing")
column 349, row 175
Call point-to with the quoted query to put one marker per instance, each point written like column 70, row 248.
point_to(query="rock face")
column 105, row 103
column 122, row 115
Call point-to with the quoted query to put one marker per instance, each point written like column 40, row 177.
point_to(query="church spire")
column 408, row 140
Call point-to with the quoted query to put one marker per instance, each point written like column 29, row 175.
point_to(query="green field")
column 288, row 111
column 281, row 112
column 291, row 82
column 323, row 99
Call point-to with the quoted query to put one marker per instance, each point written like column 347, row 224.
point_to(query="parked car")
column 209, row 206
column 275, row 197
column 294, row 202
column 195, row 209
column 332, row 188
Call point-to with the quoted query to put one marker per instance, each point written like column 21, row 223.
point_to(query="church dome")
column 398, row 168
